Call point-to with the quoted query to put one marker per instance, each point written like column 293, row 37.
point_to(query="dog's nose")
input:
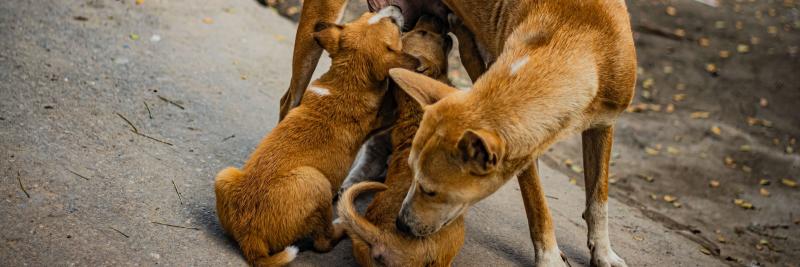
column 402, row 226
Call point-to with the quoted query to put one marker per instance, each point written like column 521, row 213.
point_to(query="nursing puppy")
column 284, row 191
column 376, row 241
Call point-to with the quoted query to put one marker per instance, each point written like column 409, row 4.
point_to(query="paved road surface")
column 70, row 70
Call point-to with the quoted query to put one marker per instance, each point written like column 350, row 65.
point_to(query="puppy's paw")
column 552, row 258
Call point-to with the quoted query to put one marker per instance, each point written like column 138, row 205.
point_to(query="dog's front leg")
column 596, row 153
column 371, row 161
column 306, row 50
column 540, row 223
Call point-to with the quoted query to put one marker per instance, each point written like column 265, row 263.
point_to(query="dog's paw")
column 551, row 258
column 606, row 257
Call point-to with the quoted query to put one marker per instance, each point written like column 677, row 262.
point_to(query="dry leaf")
column 700, row 115
column 716, row 130
column 572, row 180
column 704, row 42
column 713, row 183
column 650, row 151
column 763, row 192
column 763, row 182
column 789, row 182
column 743, row 48
column 671, row 11
column 670, row 198
column 743, row 203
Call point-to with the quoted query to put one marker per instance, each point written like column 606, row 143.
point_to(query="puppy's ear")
column 480, row 151
column 327, row 36
column 424, row 89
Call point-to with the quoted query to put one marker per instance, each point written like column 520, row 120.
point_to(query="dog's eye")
column 427, row 193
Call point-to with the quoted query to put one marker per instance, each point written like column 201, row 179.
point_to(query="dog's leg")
column 467, row 48
column 330, row 233
column 306, row 50
column 596, row 153
column 540, row 223
column 371, row 161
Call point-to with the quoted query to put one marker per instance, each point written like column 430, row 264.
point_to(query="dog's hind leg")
column 540, row 223
column 596, row 153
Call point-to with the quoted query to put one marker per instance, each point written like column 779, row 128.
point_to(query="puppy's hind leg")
column 327, row 233
column 596, row 153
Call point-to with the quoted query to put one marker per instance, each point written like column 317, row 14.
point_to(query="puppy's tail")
column 354, row 222
column 255, row 250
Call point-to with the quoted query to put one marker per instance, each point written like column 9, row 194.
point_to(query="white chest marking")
column 518, row 64
column 319, row 91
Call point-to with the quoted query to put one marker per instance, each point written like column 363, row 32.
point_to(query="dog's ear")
column 327, row 36
column 425, row 90
column 480, row 151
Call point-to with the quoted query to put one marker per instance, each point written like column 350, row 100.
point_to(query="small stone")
column 724, row 53
column 671, row 11
column 713, row 183
column 704, row 42
column 711, row 68
column 670, row 198
column 763, row 192
column 679, row 32
column 763, row 182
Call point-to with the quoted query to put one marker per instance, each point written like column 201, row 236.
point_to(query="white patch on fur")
column 337, row 221
column 599, row 243
column 319, row 91
column 519, row 64
column 292, row 251
column 386, row 12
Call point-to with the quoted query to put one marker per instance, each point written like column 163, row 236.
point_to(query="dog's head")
column 370, row 43
column 429, row 43
column 455, row 164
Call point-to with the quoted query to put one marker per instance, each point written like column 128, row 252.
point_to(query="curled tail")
column 355, row 223
column 256, row 252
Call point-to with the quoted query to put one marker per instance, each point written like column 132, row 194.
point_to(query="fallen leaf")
column 671, row 11
column 763, row 182
column 743, row 203
column 647, row 83
column 572, row 180
column 716, row 130
column 713, row 183
column 650, row 151
column 670, row 198
column 743, row 48
column 789, row 182
column 704, row 42
column 763, row 192
column 758, row 122
column 700, row 115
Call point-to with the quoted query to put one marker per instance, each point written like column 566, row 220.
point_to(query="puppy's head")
column 455, row 163
column 429, row 43
column 369, row 44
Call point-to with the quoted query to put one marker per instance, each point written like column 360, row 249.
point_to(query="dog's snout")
column 402, row 226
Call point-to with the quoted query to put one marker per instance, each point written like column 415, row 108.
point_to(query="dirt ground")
column 709, row 143
column 114, row 117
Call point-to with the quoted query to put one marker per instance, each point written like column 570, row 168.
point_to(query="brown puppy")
column 558, row 67
column 284, row 191
column 380, row 243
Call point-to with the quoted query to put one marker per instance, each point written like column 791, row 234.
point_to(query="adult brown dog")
column 376, row 241
column 555, row 68
column 284, row 192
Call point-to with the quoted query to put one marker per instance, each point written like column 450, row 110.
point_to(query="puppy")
column 284, row 191
column 376, row 241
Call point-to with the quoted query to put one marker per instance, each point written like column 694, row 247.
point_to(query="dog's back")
column 375, row 237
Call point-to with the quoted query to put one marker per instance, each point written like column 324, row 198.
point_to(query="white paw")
column 552, row 258
column 606, row 257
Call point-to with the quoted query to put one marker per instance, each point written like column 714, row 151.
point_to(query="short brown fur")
column 284, row 191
